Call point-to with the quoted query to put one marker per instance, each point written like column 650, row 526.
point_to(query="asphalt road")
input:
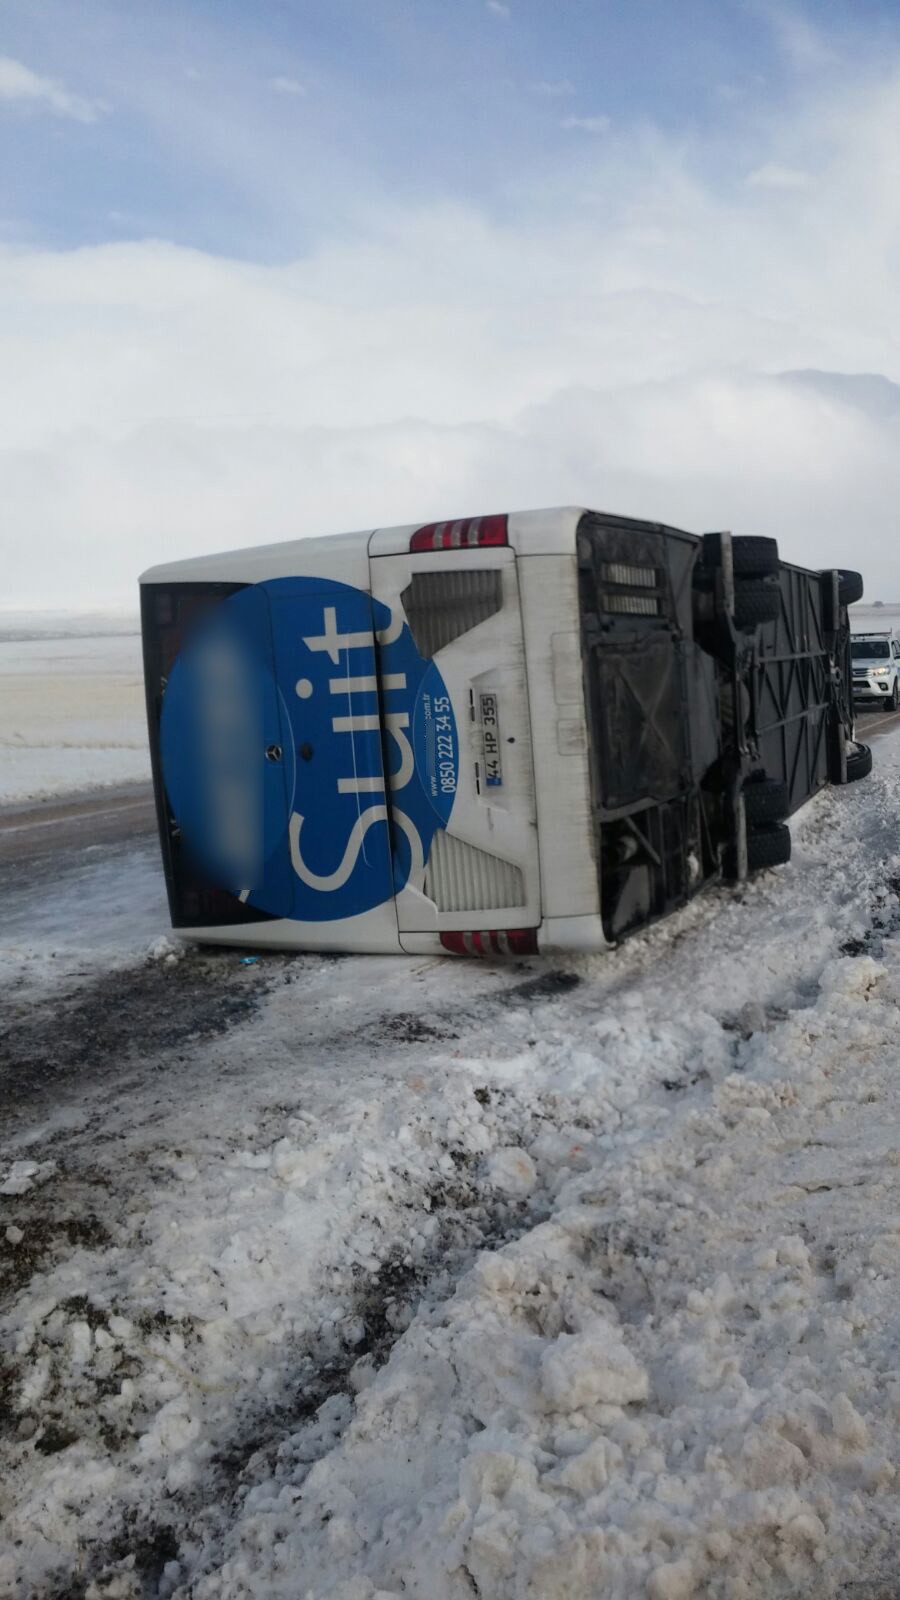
column 873, row 723
column 60, row 826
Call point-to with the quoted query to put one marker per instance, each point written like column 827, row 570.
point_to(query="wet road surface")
column 68, row 823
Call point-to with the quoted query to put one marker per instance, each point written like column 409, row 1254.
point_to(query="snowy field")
column 71, row 703
column 368, row 1279
column 872, row 619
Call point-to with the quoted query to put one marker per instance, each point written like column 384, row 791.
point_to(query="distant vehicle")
column 876, row 668
column 495, row 735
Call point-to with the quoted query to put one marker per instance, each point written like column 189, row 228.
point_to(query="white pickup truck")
column 876, row 668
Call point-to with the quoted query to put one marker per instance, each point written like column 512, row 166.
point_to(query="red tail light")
column 502, row 942
column 469, row 533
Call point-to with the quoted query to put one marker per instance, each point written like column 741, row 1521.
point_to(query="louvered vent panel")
column 460, row 878
column 633, row 577
column 440, row 606
column 618, row 577
column 631, row 605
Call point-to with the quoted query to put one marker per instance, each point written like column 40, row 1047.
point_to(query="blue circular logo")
column 309, row 751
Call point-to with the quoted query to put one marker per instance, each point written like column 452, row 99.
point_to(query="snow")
column 71, row 704
column 434, row 1279
column 69, row 920
column 23, row 1175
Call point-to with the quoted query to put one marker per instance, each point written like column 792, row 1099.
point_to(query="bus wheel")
column 850, row 587
column 756, row 600
column 754, row 556
column 765, row 800
column 859, row 763
column 768, row 847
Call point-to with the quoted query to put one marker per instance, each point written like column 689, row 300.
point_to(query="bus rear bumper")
column 584, row 934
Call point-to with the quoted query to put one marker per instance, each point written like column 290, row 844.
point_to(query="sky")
column 276, row 270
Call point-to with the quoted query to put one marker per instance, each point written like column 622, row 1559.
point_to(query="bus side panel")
column 548, row 586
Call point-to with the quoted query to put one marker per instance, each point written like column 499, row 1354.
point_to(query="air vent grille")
column 631, row 577
column 631, row 605
column 441, row 606
column 460, row 878
column 624, row 586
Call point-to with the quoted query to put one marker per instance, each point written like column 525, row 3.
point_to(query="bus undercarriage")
column 719, row 699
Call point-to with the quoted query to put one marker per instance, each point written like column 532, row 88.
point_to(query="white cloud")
column 771, row 175
column 287, row 86
column 614, row 345
column 21, row 87
column 751, row 454
column 498, row 8
column 554, row 89
column 587, row 124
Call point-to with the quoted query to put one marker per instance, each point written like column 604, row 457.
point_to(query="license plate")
column 490, row 736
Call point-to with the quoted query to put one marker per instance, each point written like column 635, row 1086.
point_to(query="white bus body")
column 383, row 741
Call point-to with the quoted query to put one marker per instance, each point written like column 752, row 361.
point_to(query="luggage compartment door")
column 458, row 756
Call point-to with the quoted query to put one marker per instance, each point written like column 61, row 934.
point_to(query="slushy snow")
column 440, row 1280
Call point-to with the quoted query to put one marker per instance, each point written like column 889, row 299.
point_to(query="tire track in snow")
column 301, row 1105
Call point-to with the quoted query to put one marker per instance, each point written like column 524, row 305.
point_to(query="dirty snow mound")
column 427, row 1279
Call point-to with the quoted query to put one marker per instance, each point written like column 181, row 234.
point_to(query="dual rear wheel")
column 768, row 847
column 757, row 596
column 757, row 592
column 766, row 804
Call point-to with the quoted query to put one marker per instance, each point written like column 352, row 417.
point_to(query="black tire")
column 754, row 556
column 859, row 763
column 768, row 847
column 766, row 800
column 850, row 587
column 756, row 600
column 893, row 703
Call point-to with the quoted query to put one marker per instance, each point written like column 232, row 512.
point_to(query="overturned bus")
column 496, row 735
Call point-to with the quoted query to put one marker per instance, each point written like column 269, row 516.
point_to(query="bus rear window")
column 168, row 613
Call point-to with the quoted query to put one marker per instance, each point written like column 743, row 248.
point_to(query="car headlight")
column 880, row 672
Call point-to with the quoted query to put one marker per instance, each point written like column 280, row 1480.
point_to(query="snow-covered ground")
column 874, row 618
column 435, row 1279
column 66, row 920
column 71, row 703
